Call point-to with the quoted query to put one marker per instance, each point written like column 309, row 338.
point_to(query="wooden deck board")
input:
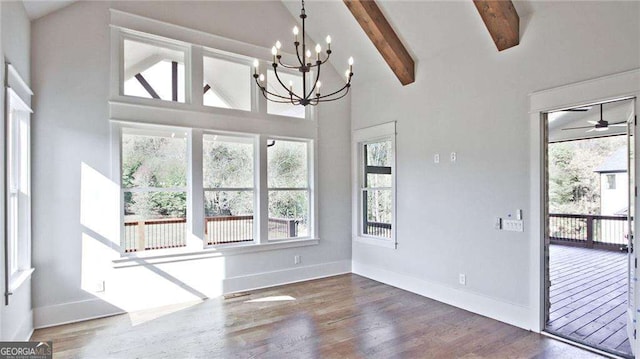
column 588, row 297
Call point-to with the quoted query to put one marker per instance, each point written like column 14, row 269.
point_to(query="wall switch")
column 498, row 223
column 454, row 156
column 436, row 158
column 296, row 259
column 462, row 279
column 99, row 286
column 514, row 225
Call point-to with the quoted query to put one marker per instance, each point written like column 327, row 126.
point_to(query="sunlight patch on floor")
column 273, row 298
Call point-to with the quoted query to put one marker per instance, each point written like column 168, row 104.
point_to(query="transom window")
column 154, row 71
column 291, row 80
column 226, row 83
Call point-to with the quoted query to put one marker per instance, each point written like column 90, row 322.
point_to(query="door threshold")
column 584, row 345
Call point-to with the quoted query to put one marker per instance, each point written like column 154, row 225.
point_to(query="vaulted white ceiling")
column 39, row 8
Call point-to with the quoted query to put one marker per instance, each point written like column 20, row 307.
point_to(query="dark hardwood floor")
column 346, row 316
column 589, row 297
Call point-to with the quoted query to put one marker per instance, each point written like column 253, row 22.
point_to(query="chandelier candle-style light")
column 313, row 96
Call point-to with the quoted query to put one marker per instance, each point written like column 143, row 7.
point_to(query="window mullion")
column 197, row 75
column 262, row 193
column 195, row 192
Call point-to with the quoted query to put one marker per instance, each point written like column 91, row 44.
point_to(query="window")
column 227, row 84
column 611, row 181
column 376, row 190
column 289, row 190
column 151, row 67
column 374, row 185
column 289, row 79
column 228, row 180
column 154, row 71
column 18, row 180
column 154, row 182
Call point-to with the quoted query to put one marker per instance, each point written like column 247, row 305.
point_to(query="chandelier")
column 310, row 70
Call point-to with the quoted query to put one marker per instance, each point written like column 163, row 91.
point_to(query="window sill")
column 143, row 259
column 20, row 278
column 387, row 243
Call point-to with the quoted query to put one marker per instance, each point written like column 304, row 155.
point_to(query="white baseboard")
column 490, row 307
column 286, row 276
column 96, row 308
column 25, row 330
column 73, row 312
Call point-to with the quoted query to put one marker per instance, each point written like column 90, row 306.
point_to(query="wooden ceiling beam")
column 502, row 21
column 376, row 26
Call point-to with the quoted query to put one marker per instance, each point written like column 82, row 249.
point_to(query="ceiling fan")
column 601, row 125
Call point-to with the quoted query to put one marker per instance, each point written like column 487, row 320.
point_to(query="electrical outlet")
column 462, row 279
column 436, row 158
column 297, row 259
column 99, row 286
column 454, row 156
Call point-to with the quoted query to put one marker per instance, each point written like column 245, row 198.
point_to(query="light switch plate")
column 514, row 225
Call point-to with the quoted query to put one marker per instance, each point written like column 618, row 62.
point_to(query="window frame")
column 611, row 181
column 196, row 241
column 17, row 181
column 152, row 40
column 282, row 69
column 196, row 45
column 194, row 117
column 254, row 189
column 237, row 59
column 361, row 138
column 309, row 188
column 186, row 189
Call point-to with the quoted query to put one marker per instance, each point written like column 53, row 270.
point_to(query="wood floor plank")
column 345, row 316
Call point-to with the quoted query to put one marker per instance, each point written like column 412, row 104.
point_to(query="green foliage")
column 154, row 162
column 573, row 186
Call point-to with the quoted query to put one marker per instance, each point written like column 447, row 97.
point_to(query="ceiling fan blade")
column 591, row 130
column 576, row 128
column 577, row 109
column 593, row 122
column 619, row 124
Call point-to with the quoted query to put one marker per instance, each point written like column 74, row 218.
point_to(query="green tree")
column 574, row 187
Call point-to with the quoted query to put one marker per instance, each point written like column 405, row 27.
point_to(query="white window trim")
column 149, row 39
column 359, row 137
column 313, row 201
column 198, row 182
column 18, row 99
column 235, row 58
column 197, row 246
column 199, row 44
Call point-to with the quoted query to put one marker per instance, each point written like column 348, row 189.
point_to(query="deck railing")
column 588, row 230
column 170, row 233
column 379, row 229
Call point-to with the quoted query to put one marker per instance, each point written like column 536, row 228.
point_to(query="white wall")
column 72, row 171
column 613, row 201
column 16, row 320
column 473, row 100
